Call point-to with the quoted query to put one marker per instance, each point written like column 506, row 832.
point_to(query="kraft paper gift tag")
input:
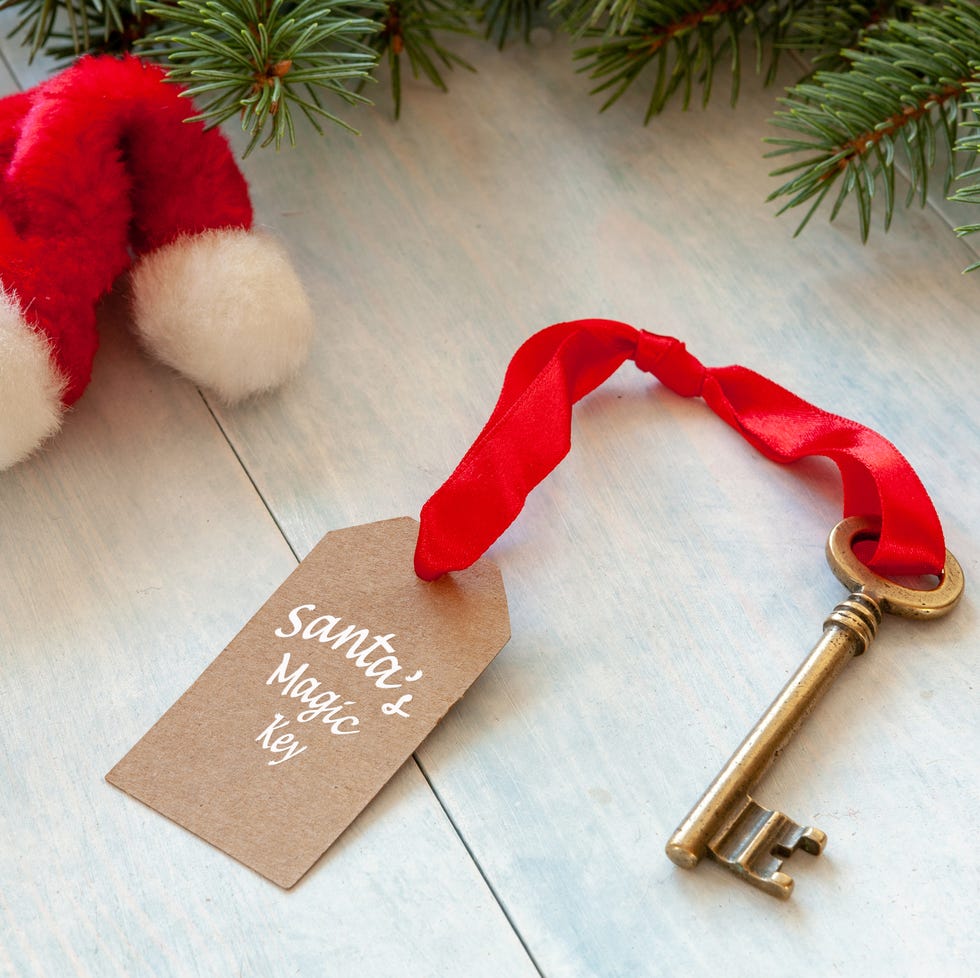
column 318, row 701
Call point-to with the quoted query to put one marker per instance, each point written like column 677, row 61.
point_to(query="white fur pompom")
column 30, row 386
column 225, row 308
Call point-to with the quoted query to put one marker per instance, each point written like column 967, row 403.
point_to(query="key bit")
column 726, row 823
column 754, row 841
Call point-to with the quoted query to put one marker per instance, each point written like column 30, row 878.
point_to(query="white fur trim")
column 225, row 308
column 30, row 386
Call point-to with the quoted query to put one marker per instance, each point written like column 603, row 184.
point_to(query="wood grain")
column 134, row 547
column 662, row 583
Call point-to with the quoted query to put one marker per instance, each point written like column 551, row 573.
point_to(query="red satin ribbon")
column 529, row 433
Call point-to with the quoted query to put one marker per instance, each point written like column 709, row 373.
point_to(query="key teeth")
column 783, row 884
column 813, row 841
column 756, row 840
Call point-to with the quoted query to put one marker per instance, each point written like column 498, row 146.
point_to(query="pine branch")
column 902, row 92
column 409, row 27
column 64, row 29
column 824, row 29
column 503, row 17
column 970, row 143
column 611, row 16
column 259, row 59
column 681, row 41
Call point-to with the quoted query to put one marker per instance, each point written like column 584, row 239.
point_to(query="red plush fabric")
column 97, row 167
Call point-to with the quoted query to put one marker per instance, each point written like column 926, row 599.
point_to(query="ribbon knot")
column 667, row 358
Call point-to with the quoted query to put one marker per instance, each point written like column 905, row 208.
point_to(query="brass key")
column 727, row 824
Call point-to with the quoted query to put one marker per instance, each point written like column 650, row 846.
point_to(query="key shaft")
column 848, row 631
column 727, row 823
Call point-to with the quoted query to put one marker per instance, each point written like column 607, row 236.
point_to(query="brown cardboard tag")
column 318, row 701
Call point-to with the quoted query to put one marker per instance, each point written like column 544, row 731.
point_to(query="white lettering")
column 316, row 628
column 395, row 709
column 377, row 668
column 381, row 670
column 295, row 621
column 285, row 744
column 280, row 674
column 306, row 688
column 325, row 705
column 350, row 632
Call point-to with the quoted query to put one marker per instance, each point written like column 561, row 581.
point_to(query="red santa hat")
column 99, row 174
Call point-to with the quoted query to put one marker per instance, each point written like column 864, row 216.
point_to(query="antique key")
column 727, row 824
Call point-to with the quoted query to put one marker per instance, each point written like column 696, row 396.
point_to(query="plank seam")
column 476, row 863
column 442, row 805
column 248, row 475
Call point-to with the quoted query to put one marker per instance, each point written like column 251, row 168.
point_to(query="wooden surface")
column 662, row 583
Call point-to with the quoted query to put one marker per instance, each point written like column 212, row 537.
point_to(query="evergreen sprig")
column 895, row 80
column 902, row 92
column 824, row 29
column 261, row 58
column 66, row 28
column 970, row 143
column 502, row 18
column 608, row 16
column 681, row 43
column 411, row 27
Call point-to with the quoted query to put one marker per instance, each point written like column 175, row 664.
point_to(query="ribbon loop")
column 529, row 433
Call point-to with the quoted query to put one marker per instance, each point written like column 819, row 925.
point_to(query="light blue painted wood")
column 666, row 580
column 133, row 549
column 663, row 582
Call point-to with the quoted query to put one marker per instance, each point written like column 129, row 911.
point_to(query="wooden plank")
column 134, row 547
column 667, row 579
